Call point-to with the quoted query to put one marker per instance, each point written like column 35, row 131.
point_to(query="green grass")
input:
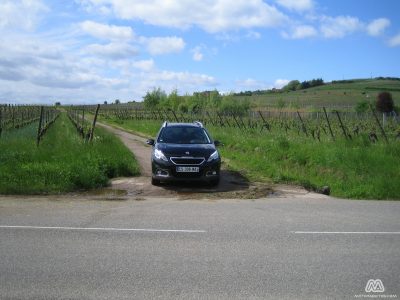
column 63, row 162
column 355, row 169
column 352, row 169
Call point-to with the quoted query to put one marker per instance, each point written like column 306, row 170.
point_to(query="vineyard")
column 321, row 125
column 17, row 117
column 356, row 155
column 41, row 151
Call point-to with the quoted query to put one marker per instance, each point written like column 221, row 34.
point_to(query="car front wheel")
column 214, row 182
column 155, row 181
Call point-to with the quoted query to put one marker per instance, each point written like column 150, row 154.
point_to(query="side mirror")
column 218, row 143
column 150, row 142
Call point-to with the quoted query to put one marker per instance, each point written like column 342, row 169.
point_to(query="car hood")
column 195, row 150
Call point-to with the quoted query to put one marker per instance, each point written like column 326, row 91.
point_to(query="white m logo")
column 375, row 286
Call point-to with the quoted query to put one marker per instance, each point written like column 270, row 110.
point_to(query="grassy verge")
column 355, row 169
column 63, row 162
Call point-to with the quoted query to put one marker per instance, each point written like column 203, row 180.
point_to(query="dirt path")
column 232, row 184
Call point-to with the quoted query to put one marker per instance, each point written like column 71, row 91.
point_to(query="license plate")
column 187, row 169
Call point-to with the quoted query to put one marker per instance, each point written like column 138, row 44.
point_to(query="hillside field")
column 336, row 95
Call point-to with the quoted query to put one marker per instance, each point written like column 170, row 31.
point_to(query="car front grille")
column 187, row 161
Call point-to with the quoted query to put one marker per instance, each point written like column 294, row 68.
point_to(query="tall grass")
column 355, row 169
column 63, row 162
column 352, row 169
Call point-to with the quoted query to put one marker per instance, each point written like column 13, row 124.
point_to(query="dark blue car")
column 184, row 152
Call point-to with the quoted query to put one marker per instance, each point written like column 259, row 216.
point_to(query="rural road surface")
column 128, row 242
column 166, row 248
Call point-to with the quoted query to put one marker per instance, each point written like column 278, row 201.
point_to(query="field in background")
column 63, row 162
column 341, row 96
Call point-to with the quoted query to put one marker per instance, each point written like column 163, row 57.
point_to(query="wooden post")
column 234, row 118
column 13, row 116
column 341, row 125
column 329, row 124
column 379, row 124
column 211, row 120
column 221, row 120
column 94, row 123
column 39, row 132
column 241, row 121
column 83, row 121
column 1, row 120
column 176, row 118
column 302, row 123
column 262, row 117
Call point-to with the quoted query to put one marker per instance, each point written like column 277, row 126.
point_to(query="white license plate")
column 187, row 169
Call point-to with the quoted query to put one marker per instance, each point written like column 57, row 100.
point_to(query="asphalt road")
column 300, row 247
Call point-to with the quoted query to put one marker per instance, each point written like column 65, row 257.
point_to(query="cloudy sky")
column 90, row 51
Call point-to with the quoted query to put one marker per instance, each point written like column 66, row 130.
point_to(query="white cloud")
column 45, row 70
column 108, row 32
column 22, row 14
column 197, row 54
column 378, row 26
column 144, row 65
column 212, row 16
column 112, row 50
column 280, row 83
column 340, row 26
column 186, row 78
column 164, row 45
column 297, row 5
column 253, row 35
column 395, row 41
column 301, row 32
column 251, row 84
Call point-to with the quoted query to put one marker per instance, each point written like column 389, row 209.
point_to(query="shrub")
column 384, row 102
column 362, row 106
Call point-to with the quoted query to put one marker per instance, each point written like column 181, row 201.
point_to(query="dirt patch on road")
column 232, row 184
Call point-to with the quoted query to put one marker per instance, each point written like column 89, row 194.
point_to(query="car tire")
column 214, row 182
column 155, row 181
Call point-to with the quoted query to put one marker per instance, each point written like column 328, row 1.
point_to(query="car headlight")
column 159, row 155
column 213, row 156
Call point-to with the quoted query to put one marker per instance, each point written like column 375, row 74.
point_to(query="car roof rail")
column 198, row 123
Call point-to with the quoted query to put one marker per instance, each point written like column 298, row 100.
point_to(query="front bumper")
column 166, row 171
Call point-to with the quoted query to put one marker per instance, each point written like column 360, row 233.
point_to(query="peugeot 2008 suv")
column 184, row 152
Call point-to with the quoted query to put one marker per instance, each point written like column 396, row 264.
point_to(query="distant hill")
column 340, row 94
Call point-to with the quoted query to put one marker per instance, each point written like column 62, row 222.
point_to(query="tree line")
column 199, row 101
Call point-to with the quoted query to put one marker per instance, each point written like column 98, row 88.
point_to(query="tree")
column 384, row 102
column 153, row 98
column 173, row 100
column 291, row 86
column 117, row 101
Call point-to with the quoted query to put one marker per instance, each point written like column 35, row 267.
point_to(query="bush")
column 384, row 102
column 362, row 106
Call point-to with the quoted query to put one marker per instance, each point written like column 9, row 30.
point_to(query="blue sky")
column 90, row 51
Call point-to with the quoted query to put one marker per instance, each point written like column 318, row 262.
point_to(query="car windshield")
column 184, row 135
